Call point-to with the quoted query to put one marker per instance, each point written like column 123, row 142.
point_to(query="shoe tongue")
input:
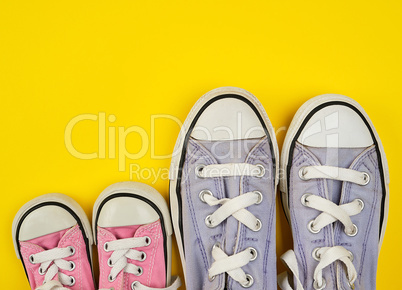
column 49, row 241
column 124, row 232
column 338, row 157
column 230, row 151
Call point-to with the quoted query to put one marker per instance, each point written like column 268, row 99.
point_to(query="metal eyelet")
column 351, row 257
column 143, row 256
column 72, row 281
column 140, row 271
column 315, row 254
column 147, row 240
column 134, row 284
column 72, row 266
column 250, row 281
column 361, row 203
column 106, row 247
column 302, row 173
column 253, row 252
column 110, row 278
column 311, row 228
column 262, row 170
column 208, row 222
column 258, row 226
column 317, row 287
column 354, row 232
column 260, row 197
column 199, row 169
column 41, row 272
column 216, row 245
column 31, row 259
column 304, row 197
column 366, row 178
column 109, row 262
column 203, row 193
column 72, row 250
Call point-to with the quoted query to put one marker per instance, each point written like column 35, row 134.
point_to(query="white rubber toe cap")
column 126, row 211
column 130, row 203
column 45, row 220
column 336, row 126
column 228, row 119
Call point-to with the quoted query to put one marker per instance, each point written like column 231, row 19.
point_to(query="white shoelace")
column 331, row 213
column 52, row 285
column 236, row 207
column 124, row 249
column 173, row 286
column 53, row 260
column 138, row 286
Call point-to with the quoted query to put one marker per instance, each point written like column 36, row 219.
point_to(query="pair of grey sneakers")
column 333, row 178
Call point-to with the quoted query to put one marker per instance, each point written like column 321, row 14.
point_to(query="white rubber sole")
column 297, row 121
column 154, row 197
column 53, row 197
column 174, row 166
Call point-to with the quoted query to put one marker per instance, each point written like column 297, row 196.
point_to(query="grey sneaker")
column 335, row 195
column 222, row 193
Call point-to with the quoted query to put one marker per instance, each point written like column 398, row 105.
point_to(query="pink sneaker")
column 132, row 227
column 52, row 237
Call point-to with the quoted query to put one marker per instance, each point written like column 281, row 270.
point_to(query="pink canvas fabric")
column 154, row 270
column 62, row 239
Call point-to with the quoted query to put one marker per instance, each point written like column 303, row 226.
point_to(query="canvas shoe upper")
column 131, row 223
column 222, row 192
column 53, row 239
column 335, row 195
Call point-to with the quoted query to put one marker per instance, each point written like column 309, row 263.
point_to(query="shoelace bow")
column 330, row 213
column 124, row 249
column 51, row 261
column 236, row 207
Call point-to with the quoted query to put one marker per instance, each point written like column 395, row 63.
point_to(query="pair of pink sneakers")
column 130, row 226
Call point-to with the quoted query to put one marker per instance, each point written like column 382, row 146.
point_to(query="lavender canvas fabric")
column 363, row 246
column 232, row 235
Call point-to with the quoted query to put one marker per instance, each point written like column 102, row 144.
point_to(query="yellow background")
column 133, row 59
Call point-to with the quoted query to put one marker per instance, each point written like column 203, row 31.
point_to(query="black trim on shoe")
column 307, row 118
column 184, row 149
column 142, row 198
column 70, row 211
